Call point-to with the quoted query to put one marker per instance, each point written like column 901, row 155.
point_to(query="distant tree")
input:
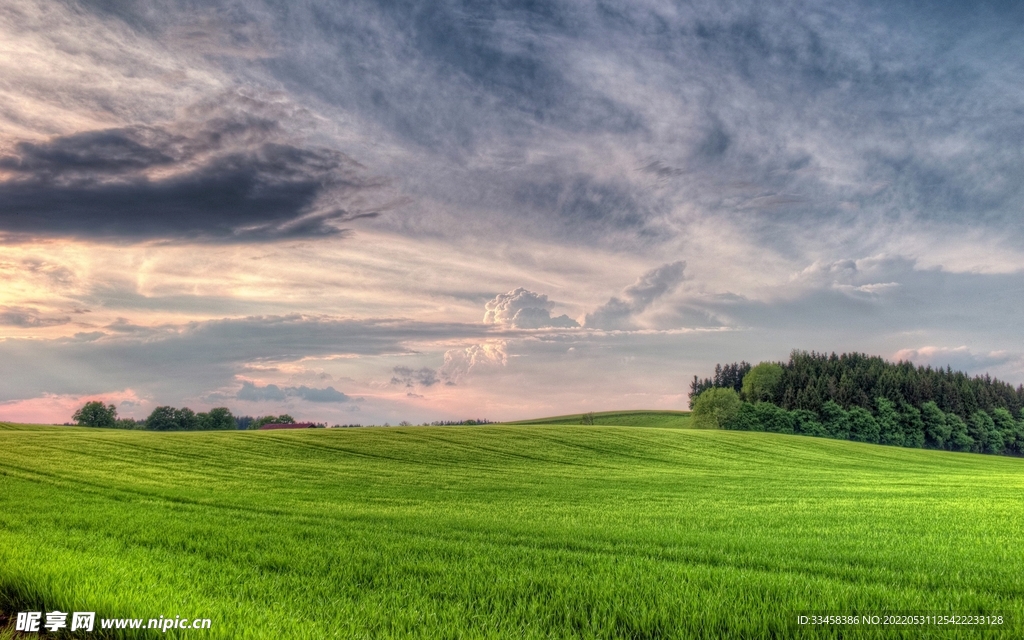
column 836, row 420
column 863, row 426
column 774, row 418
column 959, row 439
column 912, row 425
column 162, row 419
column 1007, row 428
column 889, row 429
column 867, row 399
column 715, row 407
column 128, row 423
column 936, row 427
column 284, row 418
column 987, row 439
column 745, row 419
column 186, row 419
column 96, row 414
column 854, row 379
column 587, row 418
column 216, row 419
column 762, row 382
column 1018, row 446
column 729, row 376
column 806, row 423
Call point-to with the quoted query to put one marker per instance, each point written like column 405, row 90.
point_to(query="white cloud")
column 459, row 363
column 522, row 309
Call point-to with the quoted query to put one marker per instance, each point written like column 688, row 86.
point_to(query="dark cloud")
column 252, row 393
column 271, row 392
column 230, row 176
column 407, row 377
column 766, row 116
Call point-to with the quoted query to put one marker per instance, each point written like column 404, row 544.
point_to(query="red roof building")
column 297, row 425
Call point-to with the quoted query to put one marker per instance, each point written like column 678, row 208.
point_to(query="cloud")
column 29, row 317
column 273, row 393
column 252, row 393
column 190, row 360
column 959, row 358
column 425, row 377
column 618, row 313
column 458, row 363
column 522, row 309
column 229, row 173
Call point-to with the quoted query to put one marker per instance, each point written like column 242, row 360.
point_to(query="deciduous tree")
column 96, row 414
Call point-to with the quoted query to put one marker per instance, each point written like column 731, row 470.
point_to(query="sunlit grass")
column 503, row 531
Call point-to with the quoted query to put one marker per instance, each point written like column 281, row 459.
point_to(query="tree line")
column 97, row 414
column 866, row 399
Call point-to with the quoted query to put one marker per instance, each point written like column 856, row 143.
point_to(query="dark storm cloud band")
column 236, row 176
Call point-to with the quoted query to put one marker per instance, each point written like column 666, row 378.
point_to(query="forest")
column 865, row 398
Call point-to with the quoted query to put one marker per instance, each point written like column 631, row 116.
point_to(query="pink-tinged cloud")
column 58, row 409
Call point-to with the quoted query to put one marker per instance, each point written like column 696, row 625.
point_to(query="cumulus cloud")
column 459, row 363
column 618, row 313
column 522, row 309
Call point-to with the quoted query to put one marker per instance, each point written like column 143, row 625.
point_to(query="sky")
column 366, row 212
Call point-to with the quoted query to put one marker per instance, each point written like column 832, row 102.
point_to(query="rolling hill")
column 500, row 531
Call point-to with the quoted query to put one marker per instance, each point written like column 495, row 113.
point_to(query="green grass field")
column 653, row 419
column 505, row 531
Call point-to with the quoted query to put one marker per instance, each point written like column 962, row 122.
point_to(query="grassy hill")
column 504, row 531
column 655, row 419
